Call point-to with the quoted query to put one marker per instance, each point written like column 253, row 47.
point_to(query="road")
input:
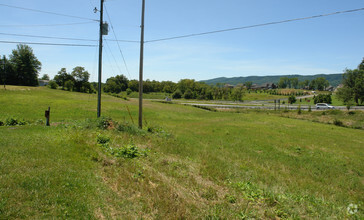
column 269, row 106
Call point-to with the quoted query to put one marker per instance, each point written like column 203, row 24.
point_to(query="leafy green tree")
column 185, row 84
column 237, row 93
column 323, row 98
column 321, row 83
column 303, row 84
column 116, row 84
column 188, row 94
column 52, row 84
column 62, row 77
column 26, row 66
column 283, row 82
column 248, row 84
column 81, row 77
column 294, row 82
column 361, row 65
column 177, row 94
column 45, row 77
column 353, row 81
column 69, row 84
column 292, row 99
column 133, row 85
column 6, row 72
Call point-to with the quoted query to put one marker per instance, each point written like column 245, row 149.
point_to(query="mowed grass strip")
column 215, row 165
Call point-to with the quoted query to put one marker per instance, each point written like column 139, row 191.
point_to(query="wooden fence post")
column 47, row 115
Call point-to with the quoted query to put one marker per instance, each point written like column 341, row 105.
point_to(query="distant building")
column 330, row 89
column 264, row 86
column 228, row 86
column 43, row 82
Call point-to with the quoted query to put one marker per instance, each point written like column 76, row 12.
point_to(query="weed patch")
column 12, row 121
column 126, row 151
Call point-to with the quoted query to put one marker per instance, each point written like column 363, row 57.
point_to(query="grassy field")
column 187, row 162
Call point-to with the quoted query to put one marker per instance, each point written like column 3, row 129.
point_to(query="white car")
column 324, row 106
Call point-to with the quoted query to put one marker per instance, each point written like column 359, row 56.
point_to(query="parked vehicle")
column 324, row 106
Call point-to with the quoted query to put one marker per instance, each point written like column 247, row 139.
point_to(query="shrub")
column 11, row 121
column 1, row 123
column 105, row 122
column 292, row 99
column 323, row 98
column 309, row 108
column 130, row 128
column 52, row 84
column 102, row 139
column 177, row 94
column 69, row 84
column 128, row 91
column 159, row 131
column 128, row 151
column 337, row 122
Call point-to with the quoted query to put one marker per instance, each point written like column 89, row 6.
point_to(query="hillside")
column 334, row 79
column 187, row 163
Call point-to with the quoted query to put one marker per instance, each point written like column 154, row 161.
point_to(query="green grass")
column 197, row 164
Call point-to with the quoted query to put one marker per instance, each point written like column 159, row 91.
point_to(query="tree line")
column 185, row 88
column 21, row 68
column 320, row 83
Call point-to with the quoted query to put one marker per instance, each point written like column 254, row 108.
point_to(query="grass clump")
column 126, row 151
column 337, row 122
column 12, row 121
column 159, row 131
column 130, row 128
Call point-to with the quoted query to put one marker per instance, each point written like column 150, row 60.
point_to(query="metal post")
column 140, row 121
column 100, row 61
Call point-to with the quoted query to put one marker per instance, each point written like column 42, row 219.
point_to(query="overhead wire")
column 111, row 66
column 47, row 44
column 44, row 25
column 62, row 38
column 117, row 65
column 48, row 37
column 253, row 26
column 47, row 12
column 122, row 55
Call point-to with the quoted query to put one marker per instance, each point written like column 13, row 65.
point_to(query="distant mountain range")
column 334, row 79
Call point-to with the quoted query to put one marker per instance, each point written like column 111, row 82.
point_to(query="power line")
column 47, row 12
column 48, row 44
column 43, row 25
column 253, row 26
column 65, row 38
column 122, row 55
column 48, row 37
column 126, row 41
column 117, row 65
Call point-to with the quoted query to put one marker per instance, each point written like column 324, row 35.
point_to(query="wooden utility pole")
column 100, row 60
column 140, row 121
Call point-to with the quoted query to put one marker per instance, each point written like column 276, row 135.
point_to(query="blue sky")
column 321, row 45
